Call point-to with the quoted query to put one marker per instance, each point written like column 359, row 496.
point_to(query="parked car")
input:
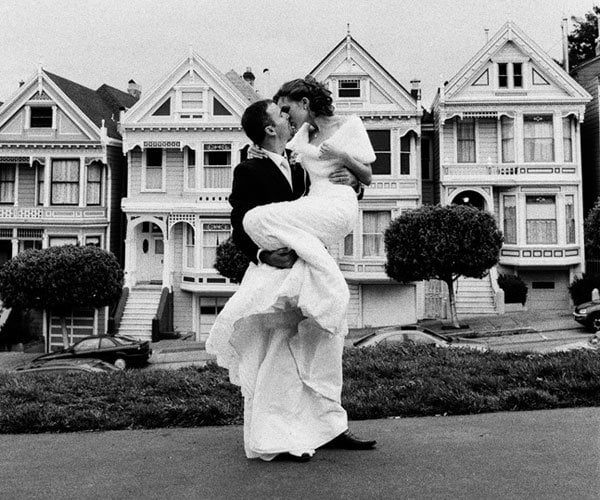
column 416, row 335
column 73, row 365
column 588, row 314
column 119, row 350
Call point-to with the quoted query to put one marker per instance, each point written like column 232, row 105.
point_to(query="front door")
column 5, row 251
column 150, row 253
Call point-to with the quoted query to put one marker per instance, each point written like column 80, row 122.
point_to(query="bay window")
column 94, row 184
column 217, row 166
column 567, row 140
column 541, row 220
column 190, row 246
column 153, row 169
column 510, row 219
column 7, row 183
column 213, row 234
column 465, row 141
column 374, row 225
column 190, row 160
column 538, row 133
column 405, row 155
column 507, row 130
column 349, row 245
column 40, row 183
column 570, row 218
column 64, row 187
column 380, row 140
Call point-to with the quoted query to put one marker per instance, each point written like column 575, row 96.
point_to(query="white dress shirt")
column 283, row 165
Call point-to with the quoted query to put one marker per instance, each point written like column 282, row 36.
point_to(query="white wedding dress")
column 281, row 334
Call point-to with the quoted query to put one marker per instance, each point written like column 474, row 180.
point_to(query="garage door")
column 547, row 290
column 384, row 305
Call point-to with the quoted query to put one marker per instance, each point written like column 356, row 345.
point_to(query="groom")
column 260, row 181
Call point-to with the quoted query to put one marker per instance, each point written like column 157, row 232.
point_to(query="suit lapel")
column 281, row 179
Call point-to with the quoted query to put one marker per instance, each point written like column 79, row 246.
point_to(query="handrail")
column 163, row 320
column 114, row 320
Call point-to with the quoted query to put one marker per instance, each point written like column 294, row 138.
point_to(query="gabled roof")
column 92, row 103
column 511, row 32
column 116, row 98
column 243, row 86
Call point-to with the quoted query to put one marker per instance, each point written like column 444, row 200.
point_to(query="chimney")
column 415, row 89
column 565, row 44
column 134, row 89
column 249, row 76
column 486, row 31
column 21, row 83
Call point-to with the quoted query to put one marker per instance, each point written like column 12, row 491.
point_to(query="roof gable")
column 379, row 90
column 511, row 66
column 194, row 91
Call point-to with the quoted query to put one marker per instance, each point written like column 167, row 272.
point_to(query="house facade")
column 507, row 139
column 182, row 140
column 61, row 177
column 392, row 116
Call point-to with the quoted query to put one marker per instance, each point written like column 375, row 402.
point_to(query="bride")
column 281, row 334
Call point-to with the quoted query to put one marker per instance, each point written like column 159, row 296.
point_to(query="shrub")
column 231, row 262
column 581, row 288
column 515, row 289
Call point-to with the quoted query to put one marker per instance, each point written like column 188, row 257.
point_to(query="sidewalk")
column 546, row 454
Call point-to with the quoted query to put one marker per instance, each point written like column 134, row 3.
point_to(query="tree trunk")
column 63, row 328
column 452, row 300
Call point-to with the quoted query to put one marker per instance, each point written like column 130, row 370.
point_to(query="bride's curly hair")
column 318, row 95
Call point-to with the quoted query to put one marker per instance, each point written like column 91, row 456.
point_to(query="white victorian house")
column 182, row 140
column 507, row 139
column 392, row 116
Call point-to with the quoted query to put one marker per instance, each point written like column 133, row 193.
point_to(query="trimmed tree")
column 60, row 279
column 230, row 261
column 436, row 242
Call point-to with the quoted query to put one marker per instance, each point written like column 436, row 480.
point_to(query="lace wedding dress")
column 281, row 334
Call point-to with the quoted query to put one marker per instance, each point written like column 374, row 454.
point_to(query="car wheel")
column 594, row 322
column 120, row 363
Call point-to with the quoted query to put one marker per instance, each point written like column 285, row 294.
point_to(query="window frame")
column 186, row 170
column 532, row 117
column 37, row 107
column 459, row 123
column 144, row 177
column 341, row 88
column 54, row 183
column 99, row 183
column 203, row 228
column 227, row 147
column 378, row 235
column 13, row 182
column 529, row 239
column 387, row 153
column 505, row 219
column 405, row 154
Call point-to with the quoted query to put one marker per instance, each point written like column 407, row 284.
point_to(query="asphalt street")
column 547, row 454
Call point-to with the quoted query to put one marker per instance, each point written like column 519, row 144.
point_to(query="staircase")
column 140, row 310
column 475, row 297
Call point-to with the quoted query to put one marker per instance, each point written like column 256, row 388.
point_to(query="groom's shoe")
column 348, row 441
column 288, row 457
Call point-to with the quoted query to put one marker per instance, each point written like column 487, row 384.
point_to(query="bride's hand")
column 255, row 151
column 329, row 152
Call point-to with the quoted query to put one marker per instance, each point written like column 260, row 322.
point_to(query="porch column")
column 130, row 249
column 167, row 261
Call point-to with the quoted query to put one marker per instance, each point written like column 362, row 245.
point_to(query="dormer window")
column 510, row 75
column 40, row 117
column 349, row 89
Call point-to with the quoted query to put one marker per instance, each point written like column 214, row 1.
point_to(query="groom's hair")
column 255, row 119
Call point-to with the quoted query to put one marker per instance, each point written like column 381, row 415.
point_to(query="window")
column 59, row 241
column 190, row 246
column 541, row 220
column 503, row 75
column 192, row 99
column 213, row 235
column 190, row 159
column 348, row 88
column 374, row 225
column 30, row 245
column 40, row 117
column 405, row 155
column 92, row 241
column 538, row 139
column 380, row 140
column 154, row 168
column 567, row 139
column 64, row 188
column 425, row 158
column 164, row 109
column 349, row 245
column 94, row 184
column 570, row 218
column 7, row 183
column 219, row 109
column 517, row 75
column 510, row 220
column 40, row 183
column 217, row 166
column 465, row 134
column 507, row 128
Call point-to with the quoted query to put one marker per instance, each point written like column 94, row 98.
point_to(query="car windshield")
column 121, row 340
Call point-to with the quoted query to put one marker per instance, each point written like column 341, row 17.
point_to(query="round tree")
column 436, row 242
column 60, row 279
column 230, row 261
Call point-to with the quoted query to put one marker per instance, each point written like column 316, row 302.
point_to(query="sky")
column 112, row 41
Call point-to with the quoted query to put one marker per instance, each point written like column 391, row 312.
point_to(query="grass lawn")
column 378, row 382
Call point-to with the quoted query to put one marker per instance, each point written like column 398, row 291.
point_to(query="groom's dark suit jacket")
column 258, row 181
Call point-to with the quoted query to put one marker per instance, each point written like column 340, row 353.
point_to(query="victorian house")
column 392, row 116
column 182, row 140
column 61, row 176
column 507, row 139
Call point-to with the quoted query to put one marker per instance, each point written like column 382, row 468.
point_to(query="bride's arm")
column 360, row 170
